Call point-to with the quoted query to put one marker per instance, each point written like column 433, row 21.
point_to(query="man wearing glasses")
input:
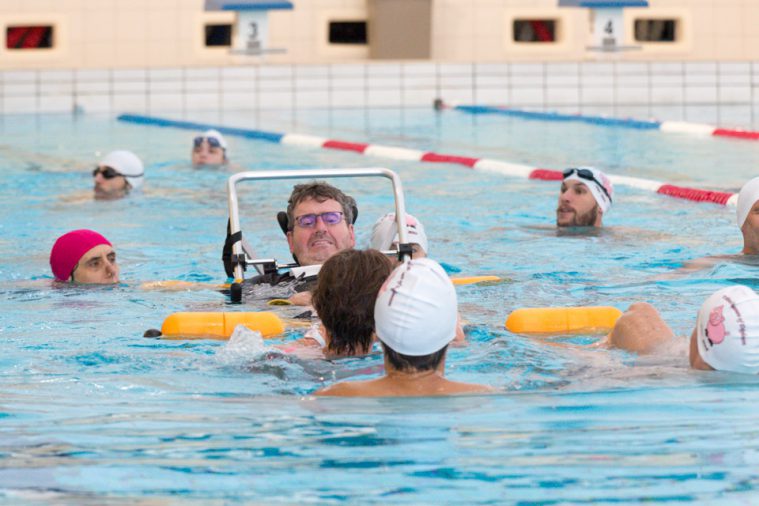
column 117, row 174
column 585, row 196
column 209, row 149
column 319, row 222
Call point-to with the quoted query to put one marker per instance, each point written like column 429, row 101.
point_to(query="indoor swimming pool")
column 94, row 413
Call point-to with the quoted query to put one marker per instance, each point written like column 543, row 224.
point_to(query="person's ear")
column 290, row 241
column 694, row 357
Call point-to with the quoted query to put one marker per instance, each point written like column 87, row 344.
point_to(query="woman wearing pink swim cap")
column 84, row 256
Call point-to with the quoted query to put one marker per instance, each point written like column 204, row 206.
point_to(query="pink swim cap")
column 69, row 248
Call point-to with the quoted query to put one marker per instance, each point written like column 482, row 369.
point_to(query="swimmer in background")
column 385, row 238
column 725, row 338
column 117, row 174
column 585, row 197
column 209, row 149
column 747, row 219
column 84, row 257
column 385, row 235
column 415, row 320
column 344, row 299
column 747, row 216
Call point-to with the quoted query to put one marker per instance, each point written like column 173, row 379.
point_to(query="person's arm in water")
column 640, row 329
column 301, row 299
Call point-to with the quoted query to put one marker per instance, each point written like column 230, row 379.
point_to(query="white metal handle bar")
column 234, row 214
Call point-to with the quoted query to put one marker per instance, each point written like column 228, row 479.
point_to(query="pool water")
column 93, row 413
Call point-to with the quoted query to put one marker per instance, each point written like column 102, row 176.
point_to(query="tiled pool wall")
column 710, row 92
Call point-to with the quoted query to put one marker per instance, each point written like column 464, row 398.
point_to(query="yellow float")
column 220, row 325
column 562, row 319
column 468, row 280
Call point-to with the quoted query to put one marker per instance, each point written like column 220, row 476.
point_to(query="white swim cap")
column 727, row 330
column 215, row 134
column 127, row 164
column 416, row 310
column 746, row 199
column 597, row 182
column 385, row 232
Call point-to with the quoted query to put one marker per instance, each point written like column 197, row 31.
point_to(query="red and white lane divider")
column 506, row 168
column 703, row 129
column 397, row 153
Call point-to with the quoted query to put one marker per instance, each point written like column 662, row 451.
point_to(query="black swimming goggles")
column 588, row 175
column 107, row 172
column 212, row 142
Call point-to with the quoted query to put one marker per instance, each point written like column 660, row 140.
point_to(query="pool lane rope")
column 397, row 153
column 680, row 127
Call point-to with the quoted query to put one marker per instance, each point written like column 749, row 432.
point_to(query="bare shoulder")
column 344, row 389
column 459, row 388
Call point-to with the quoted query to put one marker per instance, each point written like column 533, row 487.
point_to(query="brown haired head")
column 319, row 191
column 344, row 298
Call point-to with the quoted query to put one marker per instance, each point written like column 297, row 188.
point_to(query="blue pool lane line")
column 191, row 125
column 396, row 153
column 681, row 127
column 556, row 116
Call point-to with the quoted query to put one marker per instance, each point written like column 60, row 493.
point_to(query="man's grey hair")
column 319, row 191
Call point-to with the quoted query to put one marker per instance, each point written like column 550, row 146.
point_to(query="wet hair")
column 319, row 191
column 344, row 298
column 408, row 363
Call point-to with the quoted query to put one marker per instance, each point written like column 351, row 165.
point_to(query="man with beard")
column 586, row 195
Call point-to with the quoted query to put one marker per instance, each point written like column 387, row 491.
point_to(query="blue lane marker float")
column 556, row 116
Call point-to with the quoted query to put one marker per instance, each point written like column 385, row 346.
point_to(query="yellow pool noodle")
column 174, row 285
column 220, row 325
column 562, row 319
column 468, row 280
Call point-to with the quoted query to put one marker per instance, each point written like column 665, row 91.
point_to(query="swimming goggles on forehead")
column 588, row 175
column 107, row 172
column 212, row 141
column 328, row 218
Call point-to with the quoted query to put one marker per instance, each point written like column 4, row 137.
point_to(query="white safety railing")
column 234, row 209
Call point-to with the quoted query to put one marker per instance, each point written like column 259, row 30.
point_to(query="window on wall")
column 347, row 32
column 218, row 35
column 29, row 37
column 535, row 30
column 655, row 30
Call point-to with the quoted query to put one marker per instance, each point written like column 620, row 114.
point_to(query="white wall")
column 692, row 91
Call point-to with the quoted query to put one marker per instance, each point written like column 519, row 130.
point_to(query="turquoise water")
column 91, row 412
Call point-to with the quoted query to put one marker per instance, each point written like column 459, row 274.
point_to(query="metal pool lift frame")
column 240, row 259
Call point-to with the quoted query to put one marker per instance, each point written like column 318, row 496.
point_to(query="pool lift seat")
column 238, row 255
